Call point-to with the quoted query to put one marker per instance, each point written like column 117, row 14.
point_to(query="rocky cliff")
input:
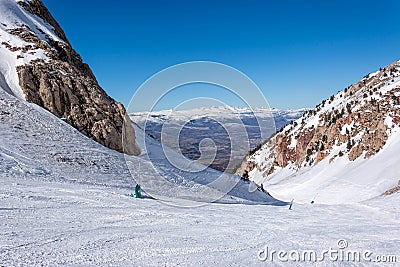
column 350, row 127
column 52, row 75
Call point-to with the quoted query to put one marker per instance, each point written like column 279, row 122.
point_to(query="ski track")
column 73, row 224
column 64, row 201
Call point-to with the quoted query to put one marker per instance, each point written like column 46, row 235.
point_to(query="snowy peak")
column 357, row 125
column 37, row 8
column 19, row 33
column 40, row 66
column 217, row 112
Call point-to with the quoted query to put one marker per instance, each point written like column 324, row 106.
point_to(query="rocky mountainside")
column 344, row 149
column 39, row 65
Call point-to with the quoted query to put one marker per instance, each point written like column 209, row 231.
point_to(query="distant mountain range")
column 218, row 137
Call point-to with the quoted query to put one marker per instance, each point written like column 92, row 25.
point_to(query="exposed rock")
column 37, row 8
column 356, row 124
column 356, row 152
column 393, row 190
column 66, row 87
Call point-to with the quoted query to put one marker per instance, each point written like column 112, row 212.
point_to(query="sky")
column 297, row 52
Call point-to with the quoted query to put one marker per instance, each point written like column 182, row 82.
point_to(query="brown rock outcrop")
column 356, row 124
column 66, row 87
column 393, row 190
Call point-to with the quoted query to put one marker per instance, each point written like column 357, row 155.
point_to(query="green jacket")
column 137, row 191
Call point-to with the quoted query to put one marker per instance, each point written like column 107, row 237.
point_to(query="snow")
column 293, row 142
column 190, row 182
column 14, row 16
column 391, row 85
column 388, row 121
column 336, row 180
column 312, row 122
column 347, row 127
column 53, row 223
column 233, row 131
column 218, row 113
column 64, row 201
column 340, row 181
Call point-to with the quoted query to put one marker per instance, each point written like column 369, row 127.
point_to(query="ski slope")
column 64, row 200
column 33, row 141
column 58, row 223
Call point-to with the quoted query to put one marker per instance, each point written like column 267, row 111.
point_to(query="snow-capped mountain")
column 226, row 129
column 344, row 150
column 39, row 65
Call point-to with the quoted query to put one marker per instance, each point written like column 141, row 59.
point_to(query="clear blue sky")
column 297, row 52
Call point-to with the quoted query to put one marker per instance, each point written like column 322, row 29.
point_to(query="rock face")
column 355, row 123
column 393, row 190
column 65, row 86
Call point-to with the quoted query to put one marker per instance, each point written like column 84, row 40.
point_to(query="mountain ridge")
column 40, row 66
column 352, row 126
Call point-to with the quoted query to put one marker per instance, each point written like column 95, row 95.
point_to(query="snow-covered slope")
column 345, row 150
column 35, row 144
column 39, row 65
column 64, row 201
column 231, row 131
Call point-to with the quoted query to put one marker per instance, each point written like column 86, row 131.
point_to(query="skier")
column 313, row 200
column 137, row 191
column 291, row 204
